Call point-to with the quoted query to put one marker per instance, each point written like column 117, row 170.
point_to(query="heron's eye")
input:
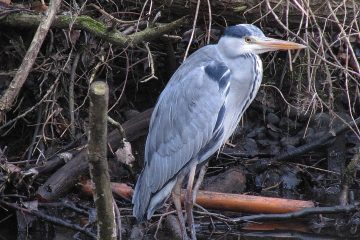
column 247, row 39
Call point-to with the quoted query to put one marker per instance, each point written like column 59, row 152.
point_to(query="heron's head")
column 247, row 38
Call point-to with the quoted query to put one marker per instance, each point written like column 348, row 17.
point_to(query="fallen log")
column 225, row 201
column 120, row 189
column 249, row 203
column 67, row 176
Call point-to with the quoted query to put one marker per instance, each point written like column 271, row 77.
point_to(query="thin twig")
column 71, row 94
column 346, row 39
column 29, row 110
column 304, row 42
column 102, row 11
column 11, row 93
column 193, row 29
column 151, row 64
column 210, row 22
column 50, row 219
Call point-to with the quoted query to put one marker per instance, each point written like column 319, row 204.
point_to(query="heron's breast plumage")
column 246, row 76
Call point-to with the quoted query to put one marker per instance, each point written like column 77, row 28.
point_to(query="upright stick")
column 98, row 165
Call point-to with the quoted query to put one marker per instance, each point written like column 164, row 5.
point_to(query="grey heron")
column 198, row 111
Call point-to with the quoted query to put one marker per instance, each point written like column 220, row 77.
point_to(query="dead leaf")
column 124, row 154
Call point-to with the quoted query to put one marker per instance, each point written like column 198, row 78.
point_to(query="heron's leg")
column 199, row 181
column 189, row 203
column 176, row 196
column 193, row 197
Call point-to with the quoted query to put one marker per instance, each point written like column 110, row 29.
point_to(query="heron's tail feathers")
column 140, row 199
column 145, row 201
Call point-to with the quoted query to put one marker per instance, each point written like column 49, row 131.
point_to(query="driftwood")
column 97, row 156
column 52, row 164
column 66, row 177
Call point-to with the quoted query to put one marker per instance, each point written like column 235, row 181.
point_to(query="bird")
column 198, row 111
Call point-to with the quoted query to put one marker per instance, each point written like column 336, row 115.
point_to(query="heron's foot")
column 189, row 204
column 181, row 218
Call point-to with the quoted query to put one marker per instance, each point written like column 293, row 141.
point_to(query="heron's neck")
column 246, row 75
column 240, row 63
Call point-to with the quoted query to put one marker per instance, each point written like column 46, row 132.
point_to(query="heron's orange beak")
column 276, row 44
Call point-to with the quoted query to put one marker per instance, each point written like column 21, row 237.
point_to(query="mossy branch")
column 94, row 27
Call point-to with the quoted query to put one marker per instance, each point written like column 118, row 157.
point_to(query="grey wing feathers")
column 184, row 121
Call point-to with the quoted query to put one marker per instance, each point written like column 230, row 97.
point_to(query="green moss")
column 91, row 24
column 81, row 22
column 94, row 27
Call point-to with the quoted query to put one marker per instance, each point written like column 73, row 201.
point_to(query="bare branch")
column 11, row 93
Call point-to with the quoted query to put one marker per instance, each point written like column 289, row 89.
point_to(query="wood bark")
column 99, row 170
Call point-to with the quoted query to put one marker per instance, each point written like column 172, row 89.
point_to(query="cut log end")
column 99, row 88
